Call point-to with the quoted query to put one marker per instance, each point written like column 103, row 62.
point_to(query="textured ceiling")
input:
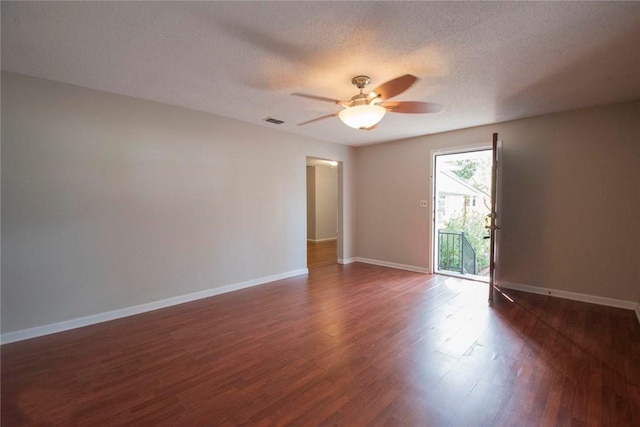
column 485, row 62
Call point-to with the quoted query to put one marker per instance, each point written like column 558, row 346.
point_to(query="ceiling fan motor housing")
column 359, row 99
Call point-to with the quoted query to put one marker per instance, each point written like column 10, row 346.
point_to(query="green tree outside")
column 474, row 231
column 472, row 223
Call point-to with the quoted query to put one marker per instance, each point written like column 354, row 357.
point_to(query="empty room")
column 316, row 213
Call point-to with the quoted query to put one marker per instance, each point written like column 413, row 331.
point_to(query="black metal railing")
column 456, row 253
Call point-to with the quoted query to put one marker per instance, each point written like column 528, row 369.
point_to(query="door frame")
column 432, row 197
column 496, row 216
column 340, row 208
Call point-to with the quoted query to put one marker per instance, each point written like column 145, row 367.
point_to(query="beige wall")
column 326, row 193
column 322, row 202
column 110, row 201
column 570, row 205
column 311, row 202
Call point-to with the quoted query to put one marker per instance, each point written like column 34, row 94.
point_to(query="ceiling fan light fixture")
column 362, row 116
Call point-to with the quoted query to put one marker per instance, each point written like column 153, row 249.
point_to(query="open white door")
column 494, row 217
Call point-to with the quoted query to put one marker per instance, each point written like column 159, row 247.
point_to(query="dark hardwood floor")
column 320, row 254
column 354, row 345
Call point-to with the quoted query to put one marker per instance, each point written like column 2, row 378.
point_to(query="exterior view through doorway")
column 461, row 212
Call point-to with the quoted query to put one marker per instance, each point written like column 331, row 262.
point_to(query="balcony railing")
column 455, row 253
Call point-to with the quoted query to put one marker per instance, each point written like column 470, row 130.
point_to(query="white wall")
column 110, row 201
column 570, row 205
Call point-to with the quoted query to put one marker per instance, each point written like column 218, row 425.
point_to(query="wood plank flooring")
column 320, row 254
column 354, row 345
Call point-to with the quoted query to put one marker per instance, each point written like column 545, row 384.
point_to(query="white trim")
column 322, row 240
column 392, row 265
column 481, row 146
column 66, row 325
column 593, row 299
column 346, row 260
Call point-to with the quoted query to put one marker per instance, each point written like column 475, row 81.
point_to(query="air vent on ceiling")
column 274, row 121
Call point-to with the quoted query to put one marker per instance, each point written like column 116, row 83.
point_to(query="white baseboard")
column 322, row 240
column 66, row 325
column 392, row 265
column 593, row 299
column 346, row 260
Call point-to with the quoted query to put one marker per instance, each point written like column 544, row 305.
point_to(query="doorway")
column 462, row 207
column 322, row 212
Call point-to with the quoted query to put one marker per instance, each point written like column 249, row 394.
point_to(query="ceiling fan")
column 364, row 111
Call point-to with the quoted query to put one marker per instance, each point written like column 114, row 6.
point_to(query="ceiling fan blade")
column 393, row 87
column 411, row 107
column 317, row 98
column 317, row 119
